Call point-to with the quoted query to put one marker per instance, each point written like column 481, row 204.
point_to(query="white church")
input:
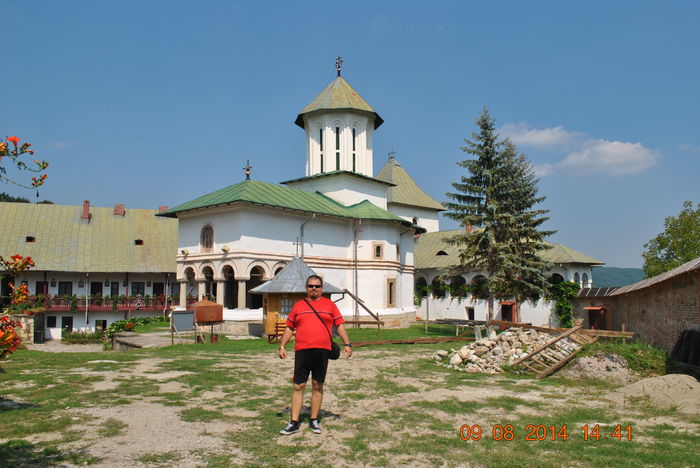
column 374, row 236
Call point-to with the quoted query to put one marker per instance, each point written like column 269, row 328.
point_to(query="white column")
column 183, row 294
column 241, row 294
column 220, row 286
column 201, row 290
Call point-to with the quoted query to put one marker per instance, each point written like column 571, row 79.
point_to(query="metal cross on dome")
column 339, row 64
column 247, row 168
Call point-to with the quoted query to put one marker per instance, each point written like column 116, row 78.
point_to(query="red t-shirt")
column 310, row 331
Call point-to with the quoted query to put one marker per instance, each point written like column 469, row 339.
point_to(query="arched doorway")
column 254, row 301
column 208, row 274
column 230, row 288
column 191, row 289
column 438, row 288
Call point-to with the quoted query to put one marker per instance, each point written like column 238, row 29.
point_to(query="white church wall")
column 428, row 219
column 345, row 189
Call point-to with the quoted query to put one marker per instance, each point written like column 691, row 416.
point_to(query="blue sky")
column 153, row 103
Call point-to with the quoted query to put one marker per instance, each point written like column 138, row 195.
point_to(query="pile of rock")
column 487, row 355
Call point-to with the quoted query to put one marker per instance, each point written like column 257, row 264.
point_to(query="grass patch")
column 159, row 458
column 18, row 453
column 111, row 428
column 641, row 357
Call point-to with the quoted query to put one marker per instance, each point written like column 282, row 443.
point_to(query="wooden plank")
column 438, row 339
column 503, row 323
column 536, row 371
column 556, row 366
column 548, row 344
column 585, row 331
column 362, row 304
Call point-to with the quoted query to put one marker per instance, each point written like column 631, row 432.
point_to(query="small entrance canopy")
column 292, row 279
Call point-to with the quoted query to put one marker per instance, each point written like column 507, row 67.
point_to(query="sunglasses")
column 314, row 286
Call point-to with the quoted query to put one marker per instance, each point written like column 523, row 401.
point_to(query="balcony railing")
column 122, row 303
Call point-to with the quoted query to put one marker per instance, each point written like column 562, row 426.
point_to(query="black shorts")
column 314, row 360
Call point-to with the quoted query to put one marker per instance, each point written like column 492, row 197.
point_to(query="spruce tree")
column 497, row 197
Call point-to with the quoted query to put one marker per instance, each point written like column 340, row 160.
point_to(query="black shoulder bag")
column 335, row 349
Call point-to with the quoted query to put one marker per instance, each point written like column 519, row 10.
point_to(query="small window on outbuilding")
column 138, row 242
column 30, row 239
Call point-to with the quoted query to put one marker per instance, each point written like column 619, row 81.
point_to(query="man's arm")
column 346, row 340
column 282, row 353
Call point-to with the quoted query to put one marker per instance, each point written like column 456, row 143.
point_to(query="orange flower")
column 14, row 140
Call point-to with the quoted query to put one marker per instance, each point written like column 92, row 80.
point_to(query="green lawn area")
column 219, row 405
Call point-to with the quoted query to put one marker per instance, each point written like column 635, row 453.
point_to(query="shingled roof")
column 405, row 191
column 292, row 279
column 63, row 241
column 432, row 252
column 692, row 265
column 338, row 95
column 253, row 192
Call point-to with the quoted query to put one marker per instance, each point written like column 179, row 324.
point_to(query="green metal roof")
column 334, row 173
column 338, row 95
column 427, row 248
column 406, row 191
column 265, row 194
column 65, row 242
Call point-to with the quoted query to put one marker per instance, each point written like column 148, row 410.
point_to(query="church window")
column 354, row 132
column 207, row 239
column 391, row 292
column 377, row 250
column 576, row 278
column 337, row 148
column 585, row 280
column 320, row 144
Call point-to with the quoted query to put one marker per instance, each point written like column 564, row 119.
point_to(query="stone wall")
column 658, row 313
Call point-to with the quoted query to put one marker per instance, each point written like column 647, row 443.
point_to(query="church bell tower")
column 339, row 126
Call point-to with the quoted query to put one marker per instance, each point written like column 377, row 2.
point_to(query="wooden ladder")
column 555, row 353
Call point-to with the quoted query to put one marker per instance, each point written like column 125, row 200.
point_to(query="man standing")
column 311, row 349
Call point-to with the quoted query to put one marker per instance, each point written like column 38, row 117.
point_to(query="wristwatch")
column 348, row 344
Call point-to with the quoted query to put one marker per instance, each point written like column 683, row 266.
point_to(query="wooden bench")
column 276, row 336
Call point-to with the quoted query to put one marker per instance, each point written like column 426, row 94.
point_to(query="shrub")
column 79, row 337
column 9, row 339
column 129, row 324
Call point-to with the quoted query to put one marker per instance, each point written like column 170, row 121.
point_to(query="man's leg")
column 297, row 400
column 316, row 398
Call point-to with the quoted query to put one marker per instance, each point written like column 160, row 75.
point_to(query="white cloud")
column 610, row 157
column 583, row 154
column 522, row 134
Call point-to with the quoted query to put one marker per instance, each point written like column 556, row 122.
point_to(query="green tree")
column 6, row 197
column 678, row 244
column 11, row 154
column 498, row 196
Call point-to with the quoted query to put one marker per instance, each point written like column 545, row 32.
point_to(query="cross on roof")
column 247, row 168
column 339, row 64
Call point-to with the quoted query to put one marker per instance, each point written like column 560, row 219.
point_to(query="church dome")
column 338, row 95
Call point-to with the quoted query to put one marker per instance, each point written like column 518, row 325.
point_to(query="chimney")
column 119, row 210
column 162, row 208
column 468, row 228
column 86, row 210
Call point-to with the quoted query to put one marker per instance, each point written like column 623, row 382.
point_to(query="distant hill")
column 613, row 276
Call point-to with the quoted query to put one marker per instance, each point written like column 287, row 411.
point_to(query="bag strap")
column 319, row 317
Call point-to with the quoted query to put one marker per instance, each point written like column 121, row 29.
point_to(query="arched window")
column 458, row 286
column 207, row 239
column 585, row 280
column 441, row 252
column 478, row 287
column 577, row 278
column 421, row 287
column 438, row 288
column 556, row 278
column 415, row 220
column 208, row 274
